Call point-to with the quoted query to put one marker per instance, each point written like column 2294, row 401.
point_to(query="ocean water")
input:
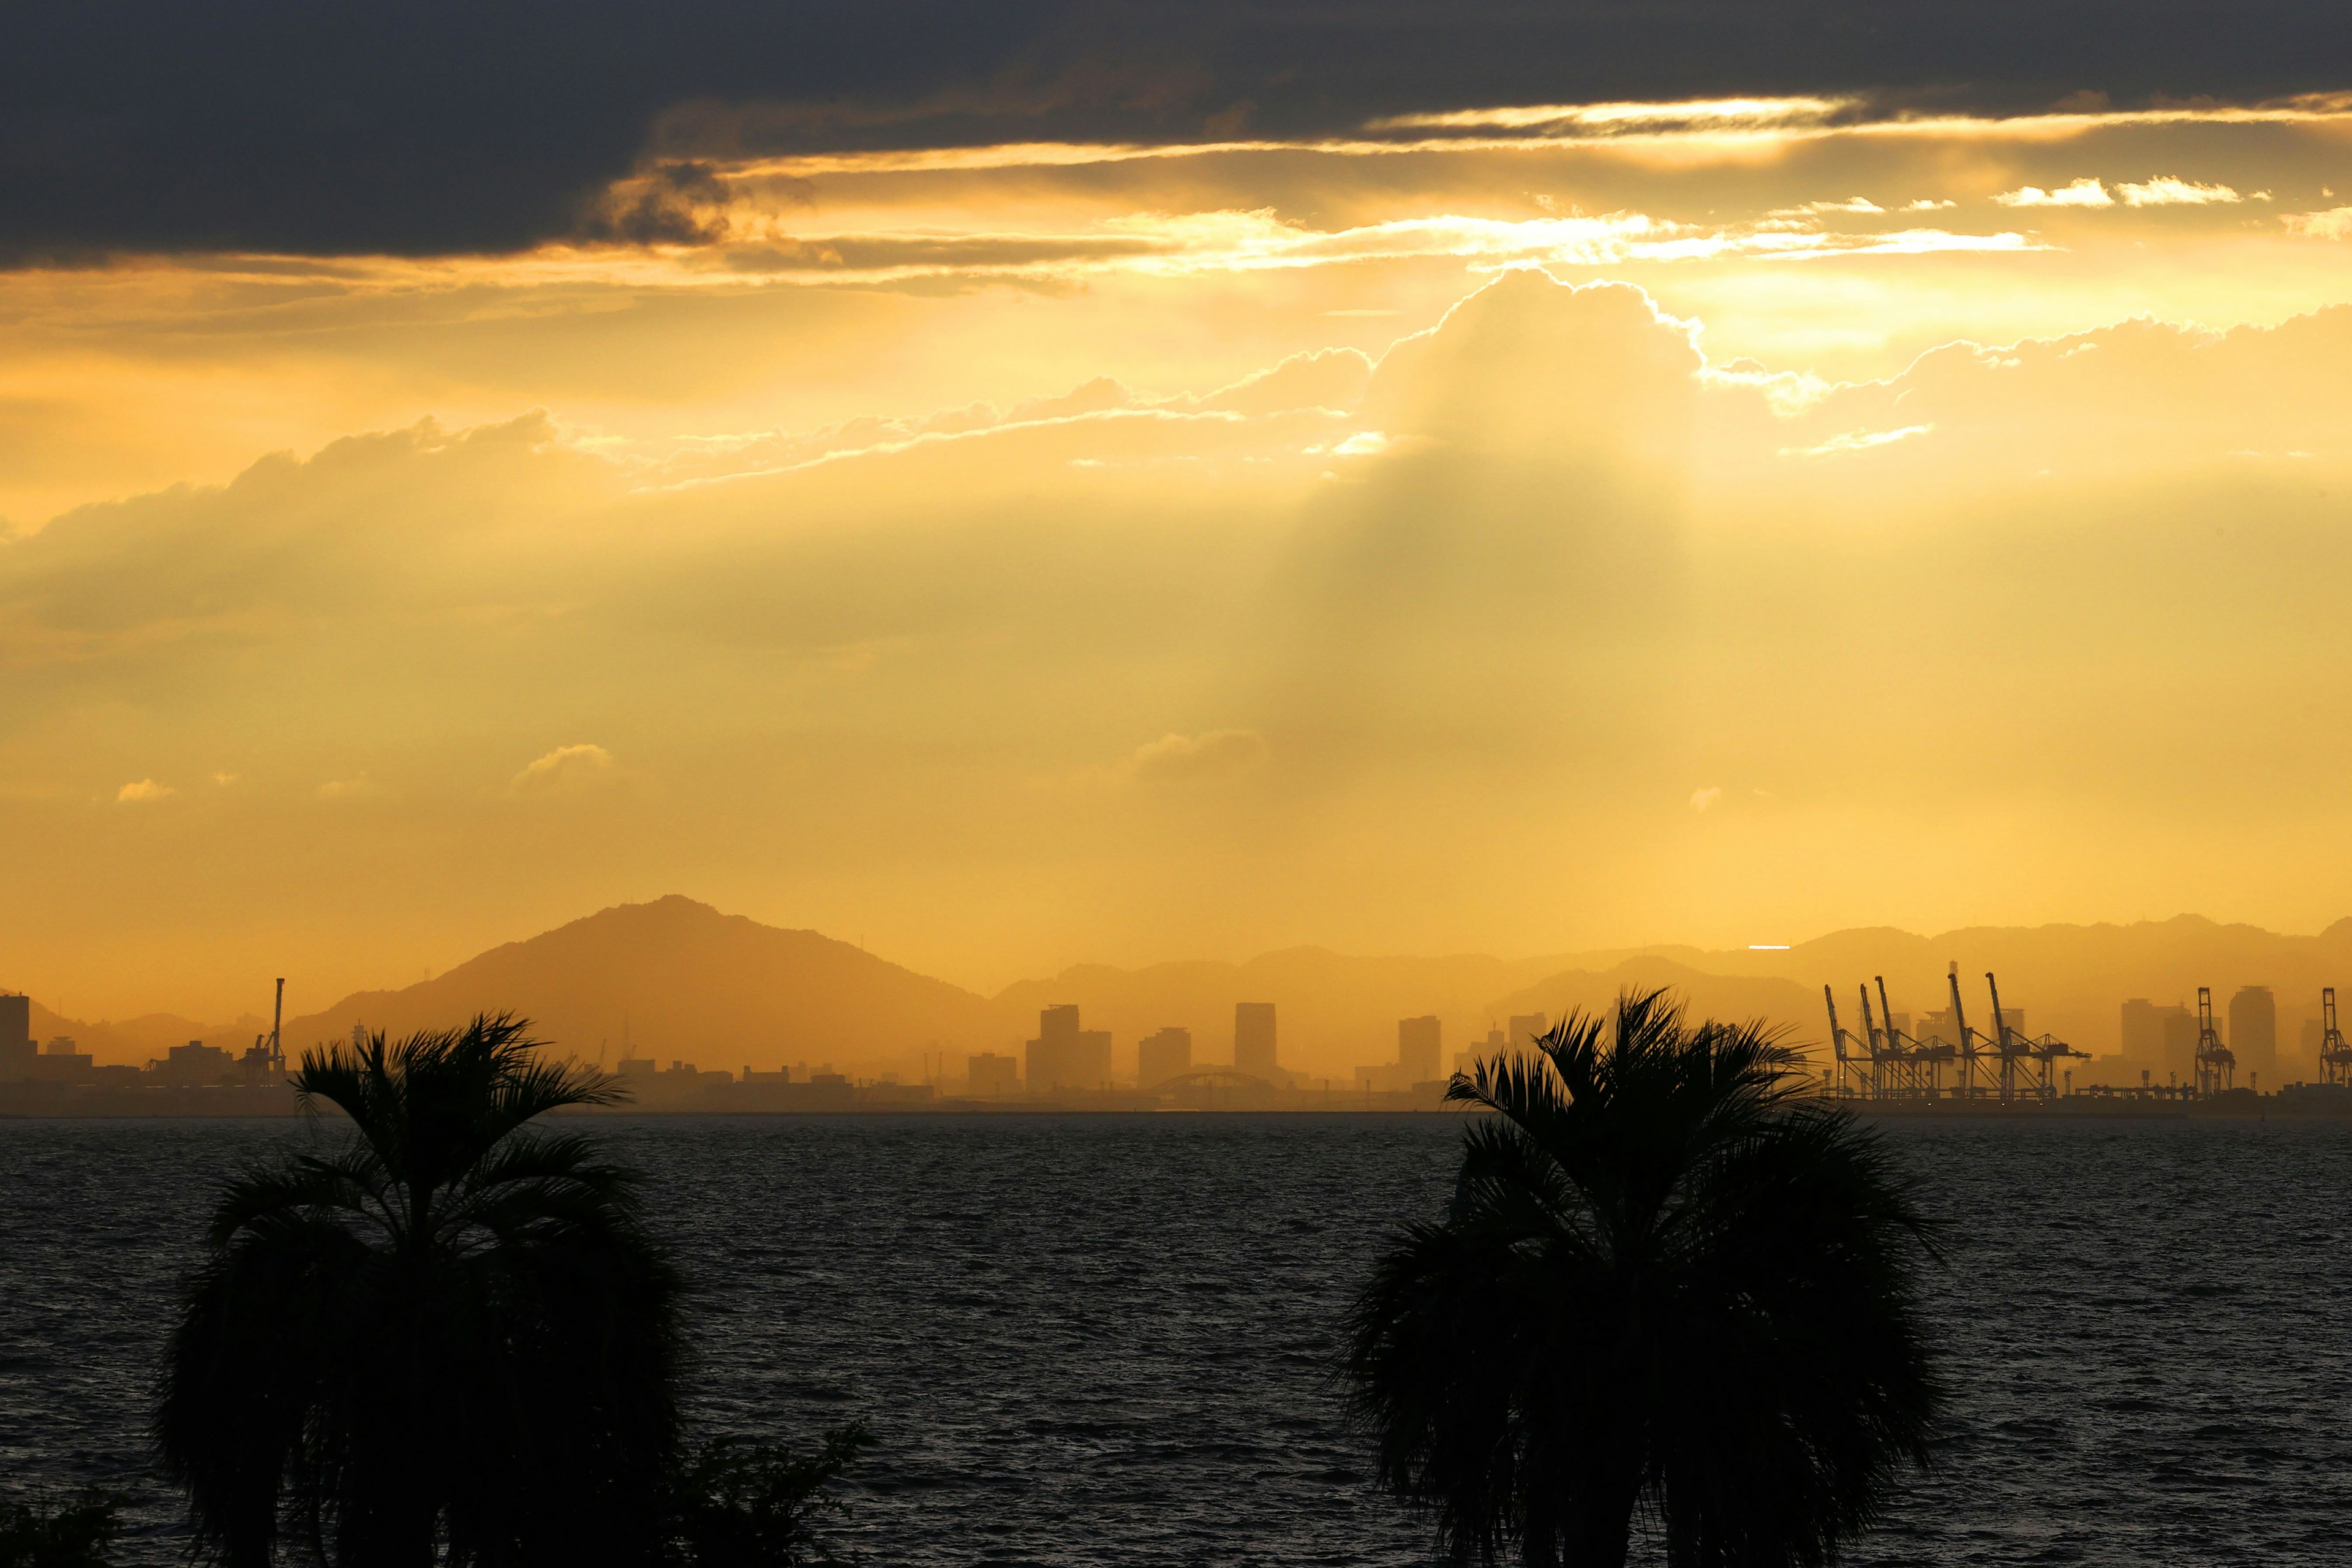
column 1108, row 1339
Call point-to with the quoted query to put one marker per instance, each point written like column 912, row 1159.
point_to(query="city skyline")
column 609, row 988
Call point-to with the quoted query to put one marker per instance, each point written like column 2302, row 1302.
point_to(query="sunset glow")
column 1031, row 552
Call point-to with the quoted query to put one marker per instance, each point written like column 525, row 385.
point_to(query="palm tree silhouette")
column 452, row 1341
column 1665, row 1286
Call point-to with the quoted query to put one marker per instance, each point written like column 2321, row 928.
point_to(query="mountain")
column 676, row 980
column 1728, row 997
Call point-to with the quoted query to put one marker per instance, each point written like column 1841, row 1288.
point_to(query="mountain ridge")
column 675, row 979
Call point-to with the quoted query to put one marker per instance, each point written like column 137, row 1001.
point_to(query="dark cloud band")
column 433, row 127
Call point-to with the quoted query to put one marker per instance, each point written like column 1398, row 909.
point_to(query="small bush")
column 33, row 1535
column 738, row 1504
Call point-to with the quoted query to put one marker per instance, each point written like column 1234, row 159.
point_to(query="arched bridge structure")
column 1215, row 1088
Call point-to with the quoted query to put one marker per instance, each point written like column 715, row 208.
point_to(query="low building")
column 61, row 1061
column 989, row 1076
column 193, row 1066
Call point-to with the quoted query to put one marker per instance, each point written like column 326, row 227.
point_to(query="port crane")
column 2334, row 1056
column 2216, row 1063
column 1885, row 1062
column 1973, row 1083
column 2041, row 1056
column 1839, row 1039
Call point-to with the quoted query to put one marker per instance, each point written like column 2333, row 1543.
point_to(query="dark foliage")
column 453, row 1340
column 754, row 1505
column 36, row 1536
column 1667, row 1288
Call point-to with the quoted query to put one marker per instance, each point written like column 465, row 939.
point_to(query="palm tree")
column 452, row 1341
column 1665, row 1286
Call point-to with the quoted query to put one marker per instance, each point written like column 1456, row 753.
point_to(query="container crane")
column 1838, row 1041
column 2216, row 1063
column 2334, row 1056
column 1972, row 1059
column 1877, row 1048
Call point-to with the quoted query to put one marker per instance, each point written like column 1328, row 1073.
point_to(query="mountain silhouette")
column 676, row 980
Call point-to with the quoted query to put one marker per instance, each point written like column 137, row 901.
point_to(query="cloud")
column 1857, row 441
column 2335, row 223
column 1706, row 799
column 358, row 787
column 1713, row 115
column 142, row 790
column 2086, row 192
column 1188, row 759
column 1475, row 664
column 2166, row 191
column 567, row 769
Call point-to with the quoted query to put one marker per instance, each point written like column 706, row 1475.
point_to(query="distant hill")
column 133, row 1042
column 679, row 980
column 1733, row 998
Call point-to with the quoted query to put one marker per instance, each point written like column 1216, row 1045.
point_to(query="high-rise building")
column 15, row 1037
column 1063, row 1055
column 1418, row 1046
column 2180, row 1043
column 1164, row 1056
column 1254, row 1039
column 2160, row 1038
column 2253, row 1035
column 1527, row 1029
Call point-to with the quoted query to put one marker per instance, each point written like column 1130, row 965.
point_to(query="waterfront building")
column 1065, row 1056
column 1527, row 1029
column 1164, row 1056
column 1419, row 1043
column 992, row 1076
column 1254, row 1044
column 2253, row 1035
column 17, row 1050
column 193, row 1066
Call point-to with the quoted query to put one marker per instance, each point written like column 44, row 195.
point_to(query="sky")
column 1028, row 485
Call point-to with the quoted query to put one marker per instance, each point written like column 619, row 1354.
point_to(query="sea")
column 1109, row 1340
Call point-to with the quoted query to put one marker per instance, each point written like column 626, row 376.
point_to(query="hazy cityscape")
column 2208, row 1054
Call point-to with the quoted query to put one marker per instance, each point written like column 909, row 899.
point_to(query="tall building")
column 1164, row 1056
column 2180, row 1043
column 1063, row 1055
column 1254, row 1039
column 2253, row 1035
column 1526, row 1027
column 2161, row 1039
column 15, row 1037
column 1418, row 1046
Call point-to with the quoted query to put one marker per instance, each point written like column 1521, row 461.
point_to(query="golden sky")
column 1514, row 529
